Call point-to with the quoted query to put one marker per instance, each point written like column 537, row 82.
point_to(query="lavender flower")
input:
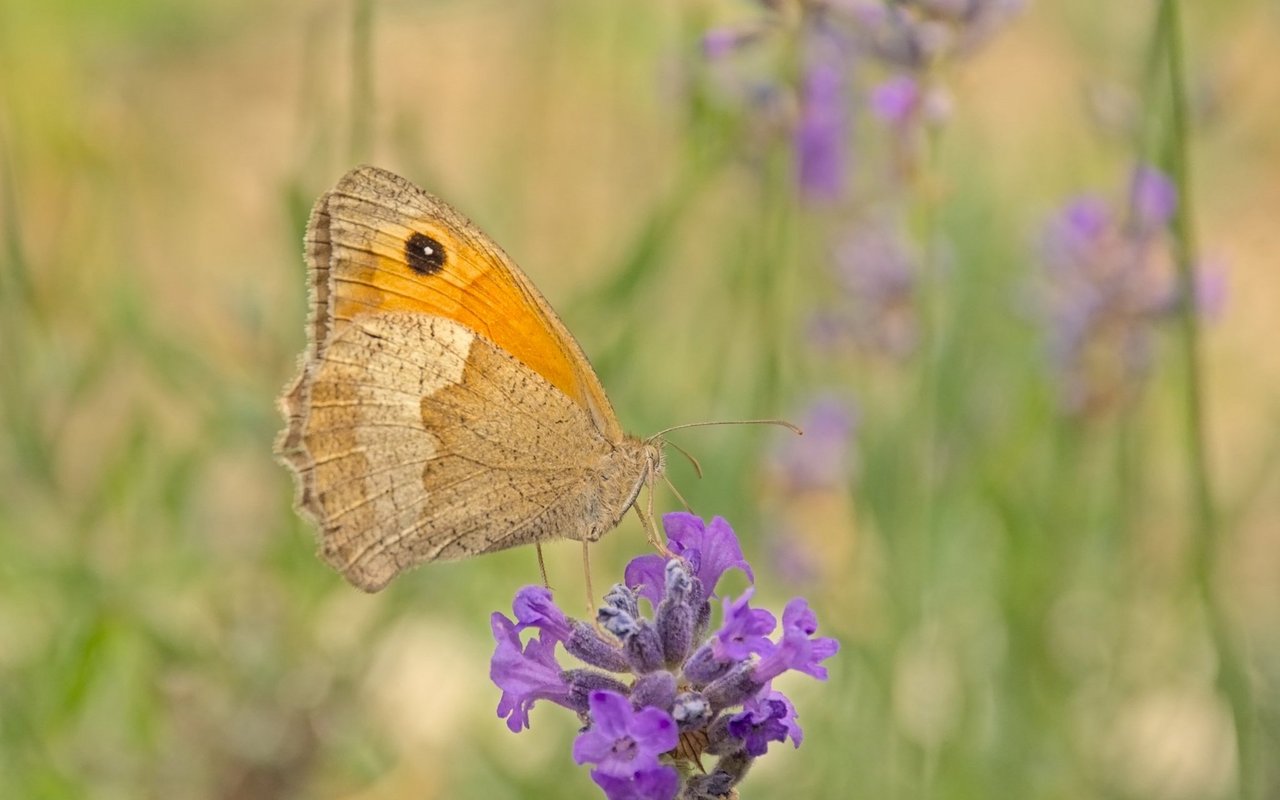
column 722, row 42
column 710, row 549
column 903, row 102
column 874, row 310
column 1108, row 282
column 621, row 741
column 804, row 473
column 821, row 133
column 743, row 631
column 916, row 35
column 811, row 111
column 768, row 717
column 1153, row 199
column 831, row 39
column 819, row 460
column 897, row 100
column 660, row 783
column 662, row 692
column 524, row 674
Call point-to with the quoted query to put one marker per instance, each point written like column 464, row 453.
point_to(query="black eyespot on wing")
column 424, row 255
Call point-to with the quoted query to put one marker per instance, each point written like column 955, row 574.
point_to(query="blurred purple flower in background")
column 659, row 693
column 876, row 272
column 917, row 35
column 912, row 38
column 902, row 102
column 815, row 103
column 897, row 100
column 1152, row 198
column 1109, row 281
column 820, row 459
column 723, row 42
column 821, row 137
column 807, row 480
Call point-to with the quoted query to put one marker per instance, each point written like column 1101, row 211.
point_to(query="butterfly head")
column 655, row 457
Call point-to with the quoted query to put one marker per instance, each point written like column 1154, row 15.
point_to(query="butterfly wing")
column 422, row 441
column 442, row 409
column 376, row 242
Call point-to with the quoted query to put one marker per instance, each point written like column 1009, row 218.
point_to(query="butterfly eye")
column 424, row 255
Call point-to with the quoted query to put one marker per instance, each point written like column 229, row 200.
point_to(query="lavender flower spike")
column 675, row 694
column 1108, row 281
column 820, row 136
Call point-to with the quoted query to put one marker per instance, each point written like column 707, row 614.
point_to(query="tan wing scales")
column 415, row 439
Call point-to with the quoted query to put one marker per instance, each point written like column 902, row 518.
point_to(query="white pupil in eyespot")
column 426, row 249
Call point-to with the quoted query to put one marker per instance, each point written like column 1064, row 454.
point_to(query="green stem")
column 933, row 344
column 933, row 329
column 1231, row 673
column 362, row 89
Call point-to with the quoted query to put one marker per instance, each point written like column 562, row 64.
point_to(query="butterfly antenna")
column 696, row 466
column 782, row 423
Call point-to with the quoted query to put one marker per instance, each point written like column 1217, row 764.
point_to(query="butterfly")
column 441, row 408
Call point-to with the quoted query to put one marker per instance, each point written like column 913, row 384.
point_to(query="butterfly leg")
column 586, row 572
column 650, row 529
column 542, row 565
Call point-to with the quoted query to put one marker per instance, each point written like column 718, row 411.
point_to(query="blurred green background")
column 1025, row 606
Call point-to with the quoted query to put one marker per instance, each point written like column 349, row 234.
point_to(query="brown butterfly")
column 441, row 409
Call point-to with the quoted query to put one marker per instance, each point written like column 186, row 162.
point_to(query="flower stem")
column 1232, row 678
column 926, row 172
column 362, row 91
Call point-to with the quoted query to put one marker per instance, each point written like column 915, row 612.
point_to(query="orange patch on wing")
column 371, row 223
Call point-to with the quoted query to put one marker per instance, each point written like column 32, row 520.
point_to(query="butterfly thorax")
column 627, row 468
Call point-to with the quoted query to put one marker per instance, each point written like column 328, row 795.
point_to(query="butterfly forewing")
column 393, row 247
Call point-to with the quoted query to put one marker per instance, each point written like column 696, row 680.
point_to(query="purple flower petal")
column 788, row 718
column 610, row 713
column 796, row 650
column 661, row 783
column 534, row 607
column 621, row 741
column 525, row 675
column 710, row 548
column 744, row 630
column 647, row 575
column 767, row 717
column 634, row 718
column 798, row 615
column 654, row 729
